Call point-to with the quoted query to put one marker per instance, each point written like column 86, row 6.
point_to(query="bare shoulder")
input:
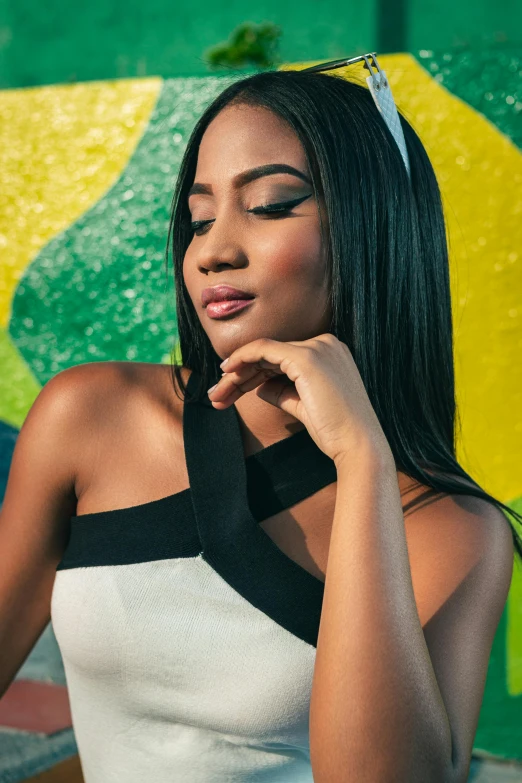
column 99, row 403
column 99, row 387
column 87, row 390
column 459, row 527
column 127, row 413
column 86, row 380
column 157, row 382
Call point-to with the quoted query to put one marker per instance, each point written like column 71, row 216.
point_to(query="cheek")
column 291, row 252
column 187, row 269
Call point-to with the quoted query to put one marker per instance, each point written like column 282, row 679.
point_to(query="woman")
column 295, row 584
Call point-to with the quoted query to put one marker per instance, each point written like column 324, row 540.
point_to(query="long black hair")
column 389, row 284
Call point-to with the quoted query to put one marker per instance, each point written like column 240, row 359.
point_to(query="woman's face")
column 279, row 258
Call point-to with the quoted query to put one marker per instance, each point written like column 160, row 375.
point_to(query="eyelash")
column 280, row 209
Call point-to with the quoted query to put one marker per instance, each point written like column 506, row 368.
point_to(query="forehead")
column 242, row 137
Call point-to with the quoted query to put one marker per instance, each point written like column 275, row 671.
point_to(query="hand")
column 317, row 382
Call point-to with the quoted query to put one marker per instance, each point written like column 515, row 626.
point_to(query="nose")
column 213, row 259
column 220, row 246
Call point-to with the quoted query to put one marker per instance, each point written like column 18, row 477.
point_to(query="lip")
column 222, row 293
column 224, row 308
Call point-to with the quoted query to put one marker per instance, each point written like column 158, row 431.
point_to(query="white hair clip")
column 381, row 94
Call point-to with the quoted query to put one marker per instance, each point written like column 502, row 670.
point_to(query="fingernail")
column 224, row 362
column 212, row 388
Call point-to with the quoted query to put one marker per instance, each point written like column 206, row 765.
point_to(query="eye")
column 198, row 225
column 283, row 208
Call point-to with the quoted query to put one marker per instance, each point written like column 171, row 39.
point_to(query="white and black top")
column 188, row 637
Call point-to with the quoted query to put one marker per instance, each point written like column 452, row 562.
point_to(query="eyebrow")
column 242, row 179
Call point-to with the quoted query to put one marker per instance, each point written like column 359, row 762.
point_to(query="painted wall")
column 87, row 175
column 59, row 41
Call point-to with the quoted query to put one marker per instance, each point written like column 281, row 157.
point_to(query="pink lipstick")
column 224, row 308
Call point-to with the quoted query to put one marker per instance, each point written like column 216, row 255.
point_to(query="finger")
column 239, row 371
column 280, row 393
column 277, row 390
column 240, row 365
column 231, row 386
column 265, row 352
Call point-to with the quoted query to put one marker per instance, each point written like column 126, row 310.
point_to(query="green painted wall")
column 59, row 41
column 89, row 282
column 434, row 24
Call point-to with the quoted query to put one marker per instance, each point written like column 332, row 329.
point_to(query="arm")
column 406, row 631
column 39, row 499
column 407, row 621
